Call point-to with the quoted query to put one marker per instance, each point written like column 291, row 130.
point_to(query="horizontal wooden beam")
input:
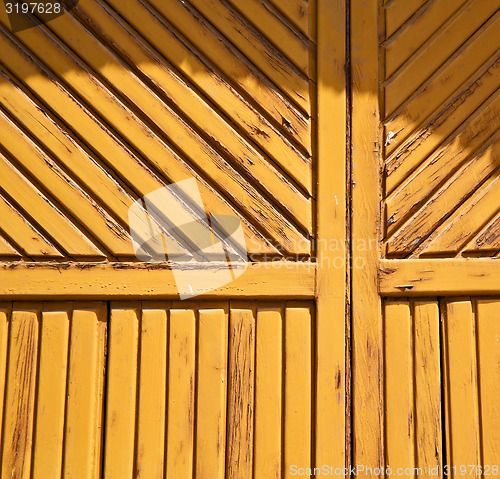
column 144, row 281
column 439, row 277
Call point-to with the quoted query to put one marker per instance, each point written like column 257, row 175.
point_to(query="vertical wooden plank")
column 51, row 397
column 240, row 434
column 462, row 405
column 297, row 387
column 181, row 392
column 399, row 414
column 121, row 391
column 268, row 400
column 367, row 404
column 83, row 429
column 211, row 392
column 428, row 423
column 5, row 312
column 488, row 335
column 332, row 286
column 20, row 393
column 152, row 392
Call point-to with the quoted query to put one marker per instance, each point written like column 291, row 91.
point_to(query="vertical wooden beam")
column 121, row 391
column 85, row 391
column 150, row 446
column 19, row 409
column 268, row 394
column 211, row 391
column 51, row 396
column 367, row 420
column 331, row 281
column 241, row 387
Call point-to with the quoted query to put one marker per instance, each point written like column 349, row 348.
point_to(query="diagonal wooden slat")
column 297, row 11
column 448, row 121
column 435, row 52
column 451, row 195
column 441, row 165
column 272, row 27
column 260, row 52
column 417, row 31
column 397, row 12
column 450, row 78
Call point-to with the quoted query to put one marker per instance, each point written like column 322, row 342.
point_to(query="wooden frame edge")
column 439, row 277
column 113, row 281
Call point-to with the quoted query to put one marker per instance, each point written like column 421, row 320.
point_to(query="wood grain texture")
column 241, row 386
column 19, row 399
column 51, row 393
column 151, row 420
column 268, row 393
column 332, row 289
column 121, row 390
column 212, row 381
column 84, row 426
column 367, row 332
column 181, row 392
column 450, row 277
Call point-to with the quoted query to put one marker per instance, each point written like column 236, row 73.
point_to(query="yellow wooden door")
column 425, row 118
column 108, row 111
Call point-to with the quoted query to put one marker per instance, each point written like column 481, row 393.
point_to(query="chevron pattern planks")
column 115, row 99
column 441, row 111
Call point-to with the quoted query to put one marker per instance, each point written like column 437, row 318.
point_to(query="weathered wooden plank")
column 129, row 280
column 7, row 250
column 121, row 391
column 477, row 51
column 268, row 394
column 257, row 50
column 5, row 316
column 298, row 392
column 181, row 392
column 442, row 127
column 208, row 119
column 151, row 418
column 436, row 169
column 451, row 277
column 98, row 136
column 488, row 239
column 105, row 229
column 30, row 241
column 399, row 387
column 440, row 47
column 462, row 402
column 211, row 389
column 281, row 36
column 69, row 153
column 331, row 284
column 241, row 385
column 194, row 150
column 51, row 219
column 398, row 12
column 488, row 312
column 418, row 31
column 466, row 221
column 367, row 340
column 19, row 402
column 84, row 411
column 51, row 395
column 453, row 193
column 297, row 11
column 258, row 92
column 428, row 420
